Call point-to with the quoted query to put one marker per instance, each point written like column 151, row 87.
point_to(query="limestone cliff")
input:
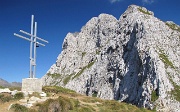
column 135, row 59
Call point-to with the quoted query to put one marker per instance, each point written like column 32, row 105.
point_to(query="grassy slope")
column 65, row 100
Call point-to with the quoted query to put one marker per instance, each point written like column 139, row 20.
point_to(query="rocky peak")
column 135, row 59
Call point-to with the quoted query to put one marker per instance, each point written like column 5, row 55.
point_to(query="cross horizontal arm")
column 28, row 39
column 33, row 36
column 22, row 37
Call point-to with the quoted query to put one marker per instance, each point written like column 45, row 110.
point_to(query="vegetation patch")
column 82, row 70
column 83, row 54
column 68, row 103
column 145, row 12
column 98, row 52
column 18, row 108
column 15, row 88
column 56, row 89
column 66, row 80
column 36, row 94
column 54, row 76
column 90, row 64
column 19, row 96
column 61, row 104
column 176, row 91
column 154, row 96
column 5, row 97
column 94, row 94
column 173, row 26
column 165, row 60
column 1, row 87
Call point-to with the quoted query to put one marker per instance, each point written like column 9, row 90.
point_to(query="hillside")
column 64, row 100
column 133, row 59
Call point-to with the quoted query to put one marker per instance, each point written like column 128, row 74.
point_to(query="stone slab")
column 32, row 85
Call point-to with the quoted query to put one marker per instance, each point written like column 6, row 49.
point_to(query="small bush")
column 5, row 97
column 19, row 95
column 94, row 94
column 154, row 96
column 18, row 108
column 62, row 104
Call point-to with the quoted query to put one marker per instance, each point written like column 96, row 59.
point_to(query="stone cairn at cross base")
column 32, row 85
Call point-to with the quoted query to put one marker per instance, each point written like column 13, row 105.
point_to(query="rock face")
column 135, row 59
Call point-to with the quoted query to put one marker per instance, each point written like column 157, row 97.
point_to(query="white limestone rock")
column 127, row 60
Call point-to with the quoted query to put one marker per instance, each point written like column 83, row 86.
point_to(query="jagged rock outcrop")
column 135, row 59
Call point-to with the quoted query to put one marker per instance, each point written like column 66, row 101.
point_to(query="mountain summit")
column 135, row 59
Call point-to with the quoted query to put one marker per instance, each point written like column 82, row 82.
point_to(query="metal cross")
column 33, row 41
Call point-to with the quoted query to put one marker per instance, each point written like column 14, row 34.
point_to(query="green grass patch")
column 83, row 54
column 82, row 70
column 154, row 96
column 54, row 76
column 94, row 94
column 98, row 52
column 15, row 88
column 1, row 87
column 176, row 91
column 173, row 26
column 84, row 104
column 19, row 96
column 61, row 104
column 19, row 108
column 66, row 80
column 5, row 97
column 56, row 89
column 145, row 12
column 90, row 64
column 165, row 60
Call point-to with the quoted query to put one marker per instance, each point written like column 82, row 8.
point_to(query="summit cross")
column 33, row 44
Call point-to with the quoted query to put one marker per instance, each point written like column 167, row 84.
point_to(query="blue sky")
column 55, row 18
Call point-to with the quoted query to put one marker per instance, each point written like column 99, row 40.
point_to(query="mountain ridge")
column 135, row 59
column 5, row 83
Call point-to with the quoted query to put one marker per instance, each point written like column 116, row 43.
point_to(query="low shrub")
column 19, row 95
column 5, row 97
column 18, row 108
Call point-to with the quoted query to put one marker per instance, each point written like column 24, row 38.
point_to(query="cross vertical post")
column 35, row 45
column 31, row 45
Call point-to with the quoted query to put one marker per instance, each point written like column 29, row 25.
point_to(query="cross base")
column 32, row 85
